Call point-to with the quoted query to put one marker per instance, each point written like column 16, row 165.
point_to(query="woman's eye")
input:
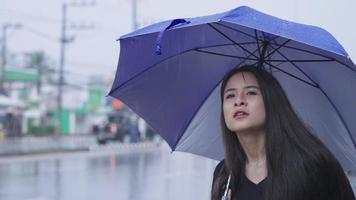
column 229, row 96
column 251, row 93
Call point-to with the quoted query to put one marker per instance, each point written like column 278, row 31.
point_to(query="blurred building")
column 38, row 110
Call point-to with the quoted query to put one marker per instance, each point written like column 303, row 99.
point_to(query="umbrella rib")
column 351, row 68
column 124, row 83
column 295, row 65
column 340, row 117
column 198, row 108
column 283, row 61
column 236, row 30
column 225, row 55
column 333, row 105
column 328, row 98
column 248, row 57
column 220, row 45
column 253, row 37
column 227, row 37
column 317, row 54
column 289, row 74
column 348, row 66
column 279, row 46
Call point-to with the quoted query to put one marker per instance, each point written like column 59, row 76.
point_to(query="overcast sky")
column 96, row 51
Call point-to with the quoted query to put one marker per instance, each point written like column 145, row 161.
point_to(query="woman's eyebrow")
column 251, row 86
column 246, row 87
column 230, row 89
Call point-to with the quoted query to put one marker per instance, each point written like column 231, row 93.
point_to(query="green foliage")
column 41, row 130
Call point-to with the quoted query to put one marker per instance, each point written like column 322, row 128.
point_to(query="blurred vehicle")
column 97, row 123
column 115, row 129
column 95, row 129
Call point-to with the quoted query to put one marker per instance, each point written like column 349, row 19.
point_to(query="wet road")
column 148, row 174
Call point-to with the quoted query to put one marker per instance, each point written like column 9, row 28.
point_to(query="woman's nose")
column 240, row 100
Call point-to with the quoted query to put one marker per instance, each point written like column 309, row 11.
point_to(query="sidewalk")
column 30, row 145
column 45, row 144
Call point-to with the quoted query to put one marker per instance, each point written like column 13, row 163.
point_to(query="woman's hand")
column 228, row 197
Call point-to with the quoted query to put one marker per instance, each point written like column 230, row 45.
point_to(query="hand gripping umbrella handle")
column 225, row 196
column 160, row 35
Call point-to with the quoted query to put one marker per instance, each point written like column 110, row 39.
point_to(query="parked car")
column 116, row 128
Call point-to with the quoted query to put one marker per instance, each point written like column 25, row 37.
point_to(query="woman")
column 269, row 153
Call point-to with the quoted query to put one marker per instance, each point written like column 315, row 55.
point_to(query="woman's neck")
column 254, row 146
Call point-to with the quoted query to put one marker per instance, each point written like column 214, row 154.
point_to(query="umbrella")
column 170, row 73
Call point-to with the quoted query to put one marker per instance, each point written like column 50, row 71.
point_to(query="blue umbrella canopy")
column 170, row 73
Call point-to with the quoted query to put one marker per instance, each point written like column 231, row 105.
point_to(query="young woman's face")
column 243, row 104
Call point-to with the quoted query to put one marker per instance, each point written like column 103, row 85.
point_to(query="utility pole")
column 63, row 41
column 134, row 14
column 4, row 29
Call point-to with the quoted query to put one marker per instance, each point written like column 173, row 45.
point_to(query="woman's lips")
column 240, row 114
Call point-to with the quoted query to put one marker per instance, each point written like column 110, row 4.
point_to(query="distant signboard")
column 15, row 75
column 96, row 95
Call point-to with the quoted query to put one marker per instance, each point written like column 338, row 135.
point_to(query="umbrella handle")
column 160, row 35
column 225, row 196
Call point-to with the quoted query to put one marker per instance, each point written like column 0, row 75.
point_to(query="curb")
column 122, row 147
column 41, row 152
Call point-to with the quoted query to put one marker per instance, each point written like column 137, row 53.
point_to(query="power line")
column 40, row 18
column 9, row 34
column 41, row 34
column 32, row 17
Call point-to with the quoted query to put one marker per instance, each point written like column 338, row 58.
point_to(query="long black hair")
column 299, row 166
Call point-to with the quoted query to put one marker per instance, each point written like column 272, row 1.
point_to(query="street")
column 148, row 172
column 140, row 173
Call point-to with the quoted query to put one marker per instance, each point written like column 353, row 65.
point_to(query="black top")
column 248, row 190
column 329, row 182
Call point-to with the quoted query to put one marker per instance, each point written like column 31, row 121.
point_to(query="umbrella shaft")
column 263, row 52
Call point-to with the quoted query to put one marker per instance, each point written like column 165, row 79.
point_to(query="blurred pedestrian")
column 134, row 134
column 142, row 127
column 9, row 125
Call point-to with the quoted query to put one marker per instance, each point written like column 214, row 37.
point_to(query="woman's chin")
column 240, row 129
column 246, row 129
